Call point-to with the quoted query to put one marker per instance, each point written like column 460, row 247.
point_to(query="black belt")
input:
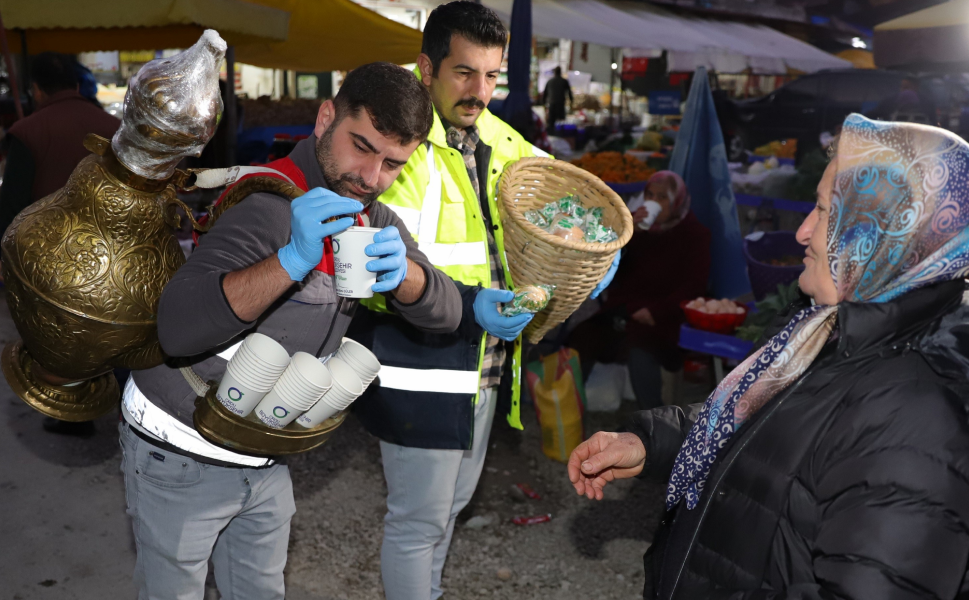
column 205, row 460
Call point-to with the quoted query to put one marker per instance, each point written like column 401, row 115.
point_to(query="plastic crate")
column 759, row 249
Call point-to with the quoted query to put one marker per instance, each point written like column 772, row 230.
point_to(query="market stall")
column 928, row 39
column 73, row 26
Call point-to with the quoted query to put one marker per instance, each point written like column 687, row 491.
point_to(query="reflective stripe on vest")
column 429, row 380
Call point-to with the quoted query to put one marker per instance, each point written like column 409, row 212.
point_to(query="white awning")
column 724, row 46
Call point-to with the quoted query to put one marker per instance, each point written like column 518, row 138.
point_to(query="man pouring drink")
column 267, row 266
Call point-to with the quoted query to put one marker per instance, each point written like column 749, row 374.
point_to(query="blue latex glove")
column 307, row 230
column 608, row 278
column 487, row 316
column 393, row 264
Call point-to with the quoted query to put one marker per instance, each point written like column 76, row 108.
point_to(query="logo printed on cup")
column 336, row 245
column 238, row 394
column 277, row 410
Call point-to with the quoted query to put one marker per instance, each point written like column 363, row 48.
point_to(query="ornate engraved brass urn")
column 85, row 267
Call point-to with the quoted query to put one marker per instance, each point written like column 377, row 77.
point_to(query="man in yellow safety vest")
column 438, row 393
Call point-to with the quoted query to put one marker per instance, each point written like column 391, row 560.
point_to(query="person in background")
column 87, row 85
column 832, row 463
column 663, row 265
column 43, row 149
column 556, row 90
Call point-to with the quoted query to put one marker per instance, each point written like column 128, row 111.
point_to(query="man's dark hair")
column 399, row 105
column 53, row 72
column 472, row 21
column 557, row 71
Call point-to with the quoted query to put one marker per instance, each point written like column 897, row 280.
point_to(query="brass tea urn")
column 85, row 267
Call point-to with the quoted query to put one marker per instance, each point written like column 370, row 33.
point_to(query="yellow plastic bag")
column 555, row 384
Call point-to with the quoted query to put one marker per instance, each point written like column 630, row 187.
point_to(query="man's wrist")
column 293, row 263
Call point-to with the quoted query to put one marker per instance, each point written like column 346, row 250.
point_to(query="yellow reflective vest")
column 435, row 199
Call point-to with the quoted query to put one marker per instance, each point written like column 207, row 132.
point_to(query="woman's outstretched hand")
column 605, row 457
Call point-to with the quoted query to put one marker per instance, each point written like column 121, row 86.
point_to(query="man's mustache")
column 471, row 102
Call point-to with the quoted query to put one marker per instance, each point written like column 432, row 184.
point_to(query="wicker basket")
column 536, row 256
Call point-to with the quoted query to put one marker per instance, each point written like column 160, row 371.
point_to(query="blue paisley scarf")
column 899, row 211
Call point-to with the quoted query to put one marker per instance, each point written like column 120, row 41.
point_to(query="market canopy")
column 331, row 35
column 936, row 37
column 73, row 26
column 723, row 46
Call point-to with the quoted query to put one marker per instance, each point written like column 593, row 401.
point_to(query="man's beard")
column 340, row 182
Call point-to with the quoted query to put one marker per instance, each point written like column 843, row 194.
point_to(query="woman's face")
column 659, row 191
column 816, row 279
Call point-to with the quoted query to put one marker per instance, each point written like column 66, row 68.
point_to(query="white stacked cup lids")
column 251, row 373
column 360, row 359
column 301, row 386
column 347, row 387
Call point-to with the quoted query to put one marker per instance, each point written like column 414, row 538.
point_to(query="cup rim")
column 253, row 384
column 357, row 365
column 267, row 343
column 312, row 363
column 253, row 362
column 342, row 372
column 294, row 396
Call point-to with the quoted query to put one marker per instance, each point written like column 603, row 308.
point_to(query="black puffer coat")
column 852, row 483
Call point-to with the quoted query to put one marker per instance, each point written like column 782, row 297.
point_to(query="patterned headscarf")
column 898, row 222
column 679, row 203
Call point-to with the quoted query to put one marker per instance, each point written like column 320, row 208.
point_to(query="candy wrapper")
column 570, row 220
column 536, row 218
column 528, row 299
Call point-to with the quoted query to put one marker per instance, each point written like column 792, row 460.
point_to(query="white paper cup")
column 276, row 411
column 353, row 280
column 238, row 397
column 360, row 359
column 346, row 388
column 309, row 372
column 266, row 349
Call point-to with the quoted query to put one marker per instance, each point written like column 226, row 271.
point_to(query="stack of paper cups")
column 361, row 360
column 301, row 386
column 251, row 373
column 347, row 387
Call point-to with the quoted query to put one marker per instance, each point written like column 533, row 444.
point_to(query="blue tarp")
column 700, row 157
column 517, row 107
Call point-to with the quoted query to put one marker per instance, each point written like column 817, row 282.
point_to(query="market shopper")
column 833, row 462
column 42, row 151
column 553, row 97
column 263, row 268
column 664, row 265
column 438, row 394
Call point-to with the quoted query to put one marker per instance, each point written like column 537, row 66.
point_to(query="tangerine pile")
column 615, row 167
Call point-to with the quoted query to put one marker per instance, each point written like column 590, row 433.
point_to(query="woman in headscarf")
column 664, row 264
column 834, row 462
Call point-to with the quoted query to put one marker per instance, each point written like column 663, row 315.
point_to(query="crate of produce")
column 536, row 256
column 773, row 258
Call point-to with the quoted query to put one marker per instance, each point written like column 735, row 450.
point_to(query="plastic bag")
column 555, row 384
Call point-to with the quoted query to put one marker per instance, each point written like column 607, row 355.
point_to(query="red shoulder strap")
column 284, row 168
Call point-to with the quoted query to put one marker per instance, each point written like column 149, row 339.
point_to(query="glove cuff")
column 295, row 266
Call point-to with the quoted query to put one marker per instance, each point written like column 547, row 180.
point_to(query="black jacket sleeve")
column 18, row 182
column 469, row 327
column 892, row 483
column 662, row 431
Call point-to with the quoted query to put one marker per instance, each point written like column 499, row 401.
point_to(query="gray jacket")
column 195, row 321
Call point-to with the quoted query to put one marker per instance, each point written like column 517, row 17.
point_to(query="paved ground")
column 64, row 534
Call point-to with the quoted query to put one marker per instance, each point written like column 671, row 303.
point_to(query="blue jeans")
column 183, row 512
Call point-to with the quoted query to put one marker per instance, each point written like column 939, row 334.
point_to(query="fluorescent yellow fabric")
column 953, row 12
column 331, row 35
column 460, row 219
column 88, row 25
